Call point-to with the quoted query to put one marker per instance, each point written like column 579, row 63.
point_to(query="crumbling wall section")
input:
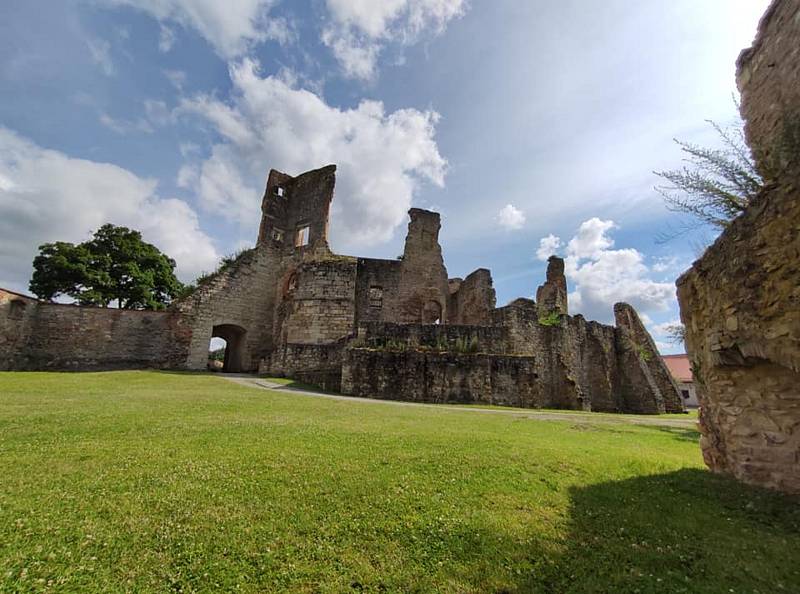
column 377, row 281
column 552, row 295
column 314, row 364
column 16, row 316
column 740, row 302
column 243, row 295
column 472, row 300
column 422, row 292
column 421, row 376
column 647, row 371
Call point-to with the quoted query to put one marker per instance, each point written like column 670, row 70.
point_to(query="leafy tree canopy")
column 115, row 265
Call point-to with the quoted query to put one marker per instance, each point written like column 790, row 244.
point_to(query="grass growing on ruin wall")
column 146, row 481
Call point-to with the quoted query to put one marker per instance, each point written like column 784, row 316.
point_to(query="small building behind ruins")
column 398, row 329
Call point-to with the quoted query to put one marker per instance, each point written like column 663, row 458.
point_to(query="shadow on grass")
column 679, row 433
column 685, row 531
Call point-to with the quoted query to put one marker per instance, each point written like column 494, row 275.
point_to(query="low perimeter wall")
column 420, row 376
column 49, row 336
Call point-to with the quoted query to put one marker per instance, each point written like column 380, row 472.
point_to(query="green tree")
column 115, row 265
column 715, row 185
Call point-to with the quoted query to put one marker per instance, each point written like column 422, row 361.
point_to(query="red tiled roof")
column 679, row 367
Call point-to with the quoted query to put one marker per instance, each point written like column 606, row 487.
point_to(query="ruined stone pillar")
column 551, row 297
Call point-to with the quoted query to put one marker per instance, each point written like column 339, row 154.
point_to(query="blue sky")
column 532, row 126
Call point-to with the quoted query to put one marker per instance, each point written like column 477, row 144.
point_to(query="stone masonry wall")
column 441, row 377
column 322, row 302
column 52, row 336
column 634, row 342
column 422, row 290
column 473, row 299
column 740, row 302
column 243, row 295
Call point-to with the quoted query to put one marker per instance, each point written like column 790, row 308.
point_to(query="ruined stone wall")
column 639, row 355
column 17, row 314
column 377, row 280
column 484, row 339
column 584, row 365
column 315, row 364
column 740, row 302
column 472, row 300
column 293, row 203
column 322, row 301
column 52, row 336
column 767, row 77
column 418, row 376
column 422, row 292
column 242, row 295
column 552, row 295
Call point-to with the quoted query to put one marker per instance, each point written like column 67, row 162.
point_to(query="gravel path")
column 575, row 417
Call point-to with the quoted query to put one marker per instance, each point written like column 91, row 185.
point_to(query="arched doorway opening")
column 432, row 313
column 231, row 338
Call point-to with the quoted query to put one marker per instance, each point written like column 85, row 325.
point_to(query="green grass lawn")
column 147, row 481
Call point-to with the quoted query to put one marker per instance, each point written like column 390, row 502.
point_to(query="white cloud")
column 125, row 126
column 176, row 77
column 381, row 157
column 50, row 196
column 602, row 276
column 100, row 51
column 231, row 27
column 591, row 239
column 188, row 175
column 166, row 39
column 548, row 246
column 510, row 218
column 360, row 28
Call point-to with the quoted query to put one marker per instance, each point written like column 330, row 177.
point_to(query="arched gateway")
column 234, row 337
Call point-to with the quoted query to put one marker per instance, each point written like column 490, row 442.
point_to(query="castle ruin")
column 397, row 329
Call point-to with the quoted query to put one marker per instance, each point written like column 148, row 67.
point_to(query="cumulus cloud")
column 269, row 123
column 231, row 27
column 48, row 196
column 510, row 218
column 601, row 275
column 360, row 28
column 548, row 246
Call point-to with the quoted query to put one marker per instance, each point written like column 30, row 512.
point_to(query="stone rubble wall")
column 314, row 364
column 418, row 376
column 422, row 286
column 552, row 295
column 767, row 77
column 323, row 302
column 639, row 354
column 484, row 339
column 472, row 300
column 243, row 295
column 740, row 302
column 52, row 336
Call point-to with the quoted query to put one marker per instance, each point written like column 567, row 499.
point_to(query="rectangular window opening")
column 280, row 191
column 376, row 297
column 277, row 234
column 301, row 238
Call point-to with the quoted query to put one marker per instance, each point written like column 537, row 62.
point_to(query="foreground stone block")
column 740, row 302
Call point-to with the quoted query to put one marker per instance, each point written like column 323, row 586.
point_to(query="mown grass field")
column 147, row 481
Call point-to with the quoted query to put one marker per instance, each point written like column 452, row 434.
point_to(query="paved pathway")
column 575, row 417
